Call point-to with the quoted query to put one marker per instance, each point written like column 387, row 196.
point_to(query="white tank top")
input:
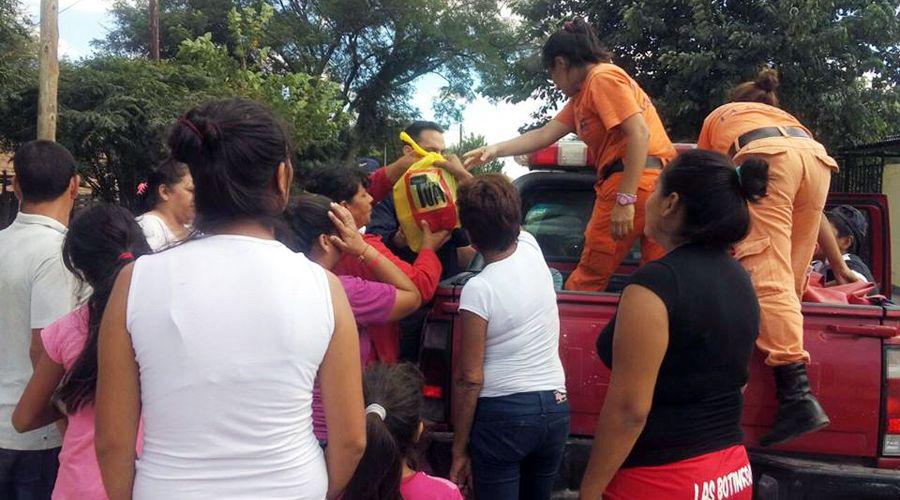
column 229, row 332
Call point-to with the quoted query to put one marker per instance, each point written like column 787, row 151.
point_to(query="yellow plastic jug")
column 426, row 192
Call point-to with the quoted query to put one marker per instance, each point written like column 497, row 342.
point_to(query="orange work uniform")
column 784, row 225
column 608, row 97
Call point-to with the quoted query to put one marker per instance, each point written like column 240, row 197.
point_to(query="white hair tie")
column 376, row 409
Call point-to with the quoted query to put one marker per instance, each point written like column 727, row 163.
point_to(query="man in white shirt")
column 36, row 289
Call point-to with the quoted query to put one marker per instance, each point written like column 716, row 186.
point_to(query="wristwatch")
column 626, row 199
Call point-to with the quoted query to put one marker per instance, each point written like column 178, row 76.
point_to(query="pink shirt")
column 421, row 486
column 371, row 303
column 79, row 473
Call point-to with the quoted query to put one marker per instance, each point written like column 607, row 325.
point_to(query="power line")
column 76, row 2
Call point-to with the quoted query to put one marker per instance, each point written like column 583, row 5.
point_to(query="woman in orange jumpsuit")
column 624, row 135
column 785, row 226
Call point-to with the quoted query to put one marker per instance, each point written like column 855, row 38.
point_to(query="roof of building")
column 889, row 146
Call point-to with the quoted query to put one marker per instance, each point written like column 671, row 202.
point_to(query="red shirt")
column 425, row 273
column 379, row 185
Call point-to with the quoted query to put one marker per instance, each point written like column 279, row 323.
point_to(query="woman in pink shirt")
column 394, row 426
column 325, row 231
column 99, row 243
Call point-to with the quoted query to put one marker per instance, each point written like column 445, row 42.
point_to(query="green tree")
column 18, row 51
column 376, row 49
column 113, row 114
column 115, row 111
column 839, row 60
column 311, row 105
column 180, row 20
column 473, row 141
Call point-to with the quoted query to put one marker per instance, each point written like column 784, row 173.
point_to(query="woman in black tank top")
column 680, row 344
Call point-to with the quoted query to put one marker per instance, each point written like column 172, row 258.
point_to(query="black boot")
column 799, row 412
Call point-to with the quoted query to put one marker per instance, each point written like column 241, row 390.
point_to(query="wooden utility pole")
column 154, row 30
column 48, row 74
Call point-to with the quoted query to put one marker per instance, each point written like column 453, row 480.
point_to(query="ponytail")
column 378, row 473
column 234, row 149
column 393, row 394
column 308, row 219
column 577, row 43
column 753, row 178
column 713, row 195
column 762, row 89
column 100, row 241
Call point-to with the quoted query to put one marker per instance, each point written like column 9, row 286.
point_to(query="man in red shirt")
column 357, row 192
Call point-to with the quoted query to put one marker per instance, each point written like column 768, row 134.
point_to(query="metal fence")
column 859, row 174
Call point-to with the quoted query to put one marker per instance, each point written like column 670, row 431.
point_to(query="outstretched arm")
column 528, row 142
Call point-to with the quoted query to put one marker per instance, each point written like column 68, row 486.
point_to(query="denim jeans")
column 28, row 475
column 517, row 444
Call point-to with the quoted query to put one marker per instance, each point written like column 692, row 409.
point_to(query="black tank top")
column 713, row 324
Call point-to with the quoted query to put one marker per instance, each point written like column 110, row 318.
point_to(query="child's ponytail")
column 377, row 476
column 101, row 241
column 393, row 397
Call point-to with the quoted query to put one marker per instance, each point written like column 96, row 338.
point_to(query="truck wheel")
column 766, row 488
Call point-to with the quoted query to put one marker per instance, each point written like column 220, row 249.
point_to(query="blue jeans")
column 28, row 475
column 517, row 444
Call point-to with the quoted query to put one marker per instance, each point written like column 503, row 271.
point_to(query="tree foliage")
column 474, row 141
column 376, row 49
column 114, row 111
column 839, row 60
column 18, row 50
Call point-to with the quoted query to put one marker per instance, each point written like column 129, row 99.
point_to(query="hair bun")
column 210, row 131
column 579, row 24
column 193, row 137
column 767, row 80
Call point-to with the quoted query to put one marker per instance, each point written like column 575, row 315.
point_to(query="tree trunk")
column 154, row 30
column 48, row 75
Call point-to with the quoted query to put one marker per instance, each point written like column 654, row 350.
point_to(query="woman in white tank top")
column 218, row 340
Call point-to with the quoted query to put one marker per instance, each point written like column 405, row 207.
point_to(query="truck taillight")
column 433, row 391
column 434, row 362
column 561, row 154
column 891, row 444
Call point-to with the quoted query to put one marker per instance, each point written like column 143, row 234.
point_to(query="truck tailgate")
column 845, row 375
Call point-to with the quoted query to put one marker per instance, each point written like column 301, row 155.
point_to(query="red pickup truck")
column 855, row 370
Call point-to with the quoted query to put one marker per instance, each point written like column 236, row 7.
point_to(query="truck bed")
column 842, row 341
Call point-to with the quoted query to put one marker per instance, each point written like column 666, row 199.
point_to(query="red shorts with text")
column 714, row 476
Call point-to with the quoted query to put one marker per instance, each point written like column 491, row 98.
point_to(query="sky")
column 81, row 21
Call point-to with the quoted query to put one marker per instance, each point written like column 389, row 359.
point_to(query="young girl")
column 168, row 197
column 325, row 232
column 394, row 425
column 849, row 226
column 98, row 244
